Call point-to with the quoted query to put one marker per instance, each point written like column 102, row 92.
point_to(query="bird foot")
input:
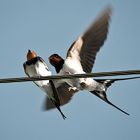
column 83, row 85
column 72, row 89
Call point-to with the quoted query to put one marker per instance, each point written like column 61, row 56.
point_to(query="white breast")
column 39, row 69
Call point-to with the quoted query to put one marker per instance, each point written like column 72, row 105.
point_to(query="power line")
column 99, row 74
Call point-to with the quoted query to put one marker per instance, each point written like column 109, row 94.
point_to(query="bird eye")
column 56, row 56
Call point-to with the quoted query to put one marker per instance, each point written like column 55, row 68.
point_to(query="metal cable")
column 99, row 74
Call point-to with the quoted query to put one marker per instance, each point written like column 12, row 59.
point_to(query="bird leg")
column 72, row 88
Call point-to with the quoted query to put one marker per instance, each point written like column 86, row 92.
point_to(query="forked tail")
column 107, row 83
column 102, row 95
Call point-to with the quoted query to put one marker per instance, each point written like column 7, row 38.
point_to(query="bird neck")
column 59, row 66
column 32, row 61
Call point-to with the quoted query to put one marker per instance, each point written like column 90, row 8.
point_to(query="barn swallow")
column 81, row 57
column 35, row 66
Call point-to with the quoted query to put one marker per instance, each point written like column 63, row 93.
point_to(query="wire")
column 99, row 74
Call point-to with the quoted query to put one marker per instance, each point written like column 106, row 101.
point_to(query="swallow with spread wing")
column 81, row 57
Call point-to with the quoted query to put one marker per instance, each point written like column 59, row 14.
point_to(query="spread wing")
column 64, row 97
column 91, row 41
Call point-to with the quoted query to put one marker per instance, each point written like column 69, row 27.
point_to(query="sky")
column 50, row 26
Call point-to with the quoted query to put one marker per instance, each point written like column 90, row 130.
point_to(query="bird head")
column 55, row 60
column 31, row 55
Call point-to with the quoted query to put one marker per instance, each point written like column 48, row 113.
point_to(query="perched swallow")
column 81, row 57
column 35, row 66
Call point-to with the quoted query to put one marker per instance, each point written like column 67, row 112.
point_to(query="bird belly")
column 92, row 85
column 31, row 71
column 72, row 66
column 38, row 70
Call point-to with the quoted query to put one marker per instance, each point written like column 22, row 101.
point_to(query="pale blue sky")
column 50, row 26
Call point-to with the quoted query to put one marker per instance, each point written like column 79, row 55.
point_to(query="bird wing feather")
column 64, row 94
column 91, row 41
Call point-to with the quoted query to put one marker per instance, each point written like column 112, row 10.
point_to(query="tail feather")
column 102, row 95
column 56, row 102
column 107, row 83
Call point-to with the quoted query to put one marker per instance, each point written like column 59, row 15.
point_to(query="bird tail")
column 102, row 96
column 107, row 83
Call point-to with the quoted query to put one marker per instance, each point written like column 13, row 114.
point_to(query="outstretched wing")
column 87, row 46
